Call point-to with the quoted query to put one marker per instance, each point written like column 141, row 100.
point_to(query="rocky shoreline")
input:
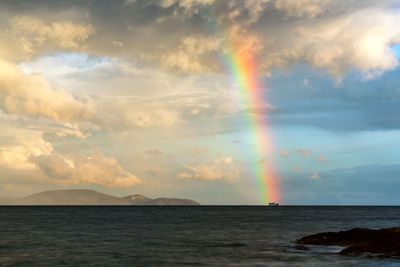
column 359, row 241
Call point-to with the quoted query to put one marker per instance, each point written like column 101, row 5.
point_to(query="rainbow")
column 242, row 67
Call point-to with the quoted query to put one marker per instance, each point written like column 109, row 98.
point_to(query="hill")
column 143, row 200
column 173, row 201
column 91, row 197
column 137, row 199
column 71, row 197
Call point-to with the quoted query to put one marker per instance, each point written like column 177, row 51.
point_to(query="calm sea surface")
column 173, row 236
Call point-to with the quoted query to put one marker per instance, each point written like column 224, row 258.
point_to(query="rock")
column 383, row 242
column 342, row 238
column 387, row 245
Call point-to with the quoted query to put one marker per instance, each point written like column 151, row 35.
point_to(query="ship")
column 273, row 204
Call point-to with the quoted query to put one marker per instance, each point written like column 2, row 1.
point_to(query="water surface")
column 203, row 235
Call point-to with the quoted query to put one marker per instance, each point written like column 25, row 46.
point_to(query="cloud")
column 118, row 113
column 148, row 98
column 19, row 145
column 191, row 5
column 26, row 156
column 303, row 152
column 140, row 98
column 143, row 118
column 30, row 32
column 315, row 176
column 31, row 95
column 322, row 159
column 297, row 169
column 123, row 56
column 359, row 41
column 27, row 36
column 190, row 55
column 307, row 83
column 197, row 150
column 93, row 169
column 159, row 170
column 325, row 34
column 155, row 151
column 175, row 35
column 220, row 169
column 300, row 8
column 285, row 154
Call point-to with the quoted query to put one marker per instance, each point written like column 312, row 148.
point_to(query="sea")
column 181, row 235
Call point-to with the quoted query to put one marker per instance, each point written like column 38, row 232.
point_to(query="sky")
column 144, row 97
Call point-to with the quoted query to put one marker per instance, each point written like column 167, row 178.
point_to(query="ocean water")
column 175, row 236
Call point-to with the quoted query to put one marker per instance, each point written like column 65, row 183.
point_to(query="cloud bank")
column 93, row 169
column 222, row 168
column 330, row 35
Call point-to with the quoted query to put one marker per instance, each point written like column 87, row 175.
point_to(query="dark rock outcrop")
column 387, row 245
column 383, row 242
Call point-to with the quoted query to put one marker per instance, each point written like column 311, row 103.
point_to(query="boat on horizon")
column 273, row 204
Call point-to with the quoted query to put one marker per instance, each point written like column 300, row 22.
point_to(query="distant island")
column 92, row 197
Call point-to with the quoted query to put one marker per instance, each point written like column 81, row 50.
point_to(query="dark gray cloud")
column 187, row 36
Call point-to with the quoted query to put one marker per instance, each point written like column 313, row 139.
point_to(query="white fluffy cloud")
column 26, row 150
column 31, row 95
column 222, row 168
column 361, row 41
column 80, row 169
column 19, row 145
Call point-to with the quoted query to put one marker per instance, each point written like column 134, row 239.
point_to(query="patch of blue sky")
column 79, row 60
column 63, row 63
column 341, row 150
column 396, row 50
